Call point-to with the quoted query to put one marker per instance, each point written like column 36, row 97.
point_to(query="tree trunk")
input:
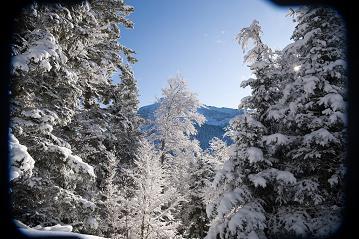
column 162, row 150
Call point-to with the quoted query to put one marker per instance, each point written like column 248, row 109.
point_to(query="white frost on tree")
column 148, row 218
column 63, row 61
column 176, row 117
column 21, row 161
column 312, row 110
column 172, row 133
column 250, row 182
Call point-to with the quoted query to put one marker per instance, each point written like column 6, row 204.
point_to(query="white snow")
column 334, row 64
column 69, row 197
column 333, row 180
column 245, row 218
column 48, row 234
column 51, row 231
column 57, row 227
column 230, row 199
column 253, row 235
column 254, row 154
column 35, row 114
column 293, row 47
column 257, row 180
column 45, row 116
column 46, row 127
column 245, row 83
column 258, row 65
column 308, row 188
column 277, row 138
column 74, row 161
column 45, row 65
column 253, row 122
column 320, row 137
column 253, row 32
column 337, row 116
column 65, row 152
column 21, row 160
column 298, row 226
column 86, row 203
column 286, row 177
column 261, row 178
column 335, row 101
column 92, row 223
column 309, row 84
column 293, row 107
column 274, row 114
column 41, row 50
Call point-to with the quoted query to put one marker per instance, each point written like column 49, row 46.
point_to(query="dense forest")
column 83, row 160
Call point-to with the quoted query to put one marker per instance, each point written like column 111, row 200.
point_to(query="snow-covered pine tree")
column 218, row 152
column 64, row 58
column 245, row 185
column 117, row 123
column 237, row 211
column 125, row 127
column 44, row 97
column 313, row 110
column 125, row 144
column 110, row 56
column 92, row 135
column 124, row 107
column 266, row 68
column 96, row 32
column 105, row 129
column 213, row 158
column 193, row 211
column 202, row 171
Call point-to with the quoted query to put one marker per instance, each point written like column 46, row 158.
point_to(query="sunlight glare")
column 296, row 68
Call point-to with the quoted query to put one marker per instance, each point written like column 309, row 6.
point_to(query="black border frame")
column 11, row 8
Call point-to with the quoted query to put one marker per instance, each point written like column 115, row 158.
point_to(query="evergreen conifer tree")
column 312, row 111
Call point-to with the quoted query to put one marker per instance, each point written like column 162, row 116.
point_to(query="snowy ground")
column 57, row 230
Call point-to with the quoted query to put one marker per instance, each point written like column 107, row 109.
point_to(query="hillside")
column 217, row 119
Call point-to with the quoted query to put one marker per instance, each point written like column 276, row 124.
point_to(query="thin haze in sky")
column 196, row 38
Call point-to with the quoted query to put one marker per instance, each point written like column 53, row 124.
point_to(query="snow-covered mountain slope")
column 217, row 118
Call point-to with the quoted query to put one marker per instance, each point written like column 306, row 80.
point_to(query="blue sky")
column 196, row 38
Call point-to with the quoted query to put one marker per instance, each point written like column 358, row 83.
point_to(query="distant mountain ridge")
column 217, row 119
column 218, row 116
